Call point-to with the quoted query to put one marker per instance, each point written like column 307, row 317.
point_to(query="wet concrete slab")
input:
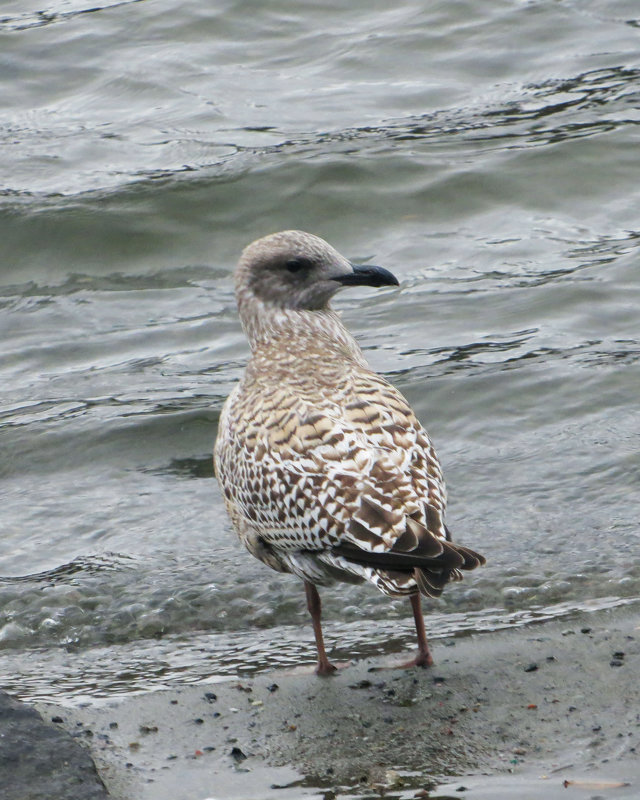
column 514, row 713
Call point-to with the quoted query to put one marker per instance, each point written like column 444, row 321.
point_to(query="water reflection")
column 201, row 467
column 53, row 14
column 81, row 566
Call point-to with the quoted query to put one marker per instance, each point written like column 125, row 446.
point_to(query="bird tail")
column 429, row 566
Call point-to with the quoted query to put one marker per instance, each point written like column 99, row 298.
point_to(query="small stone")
column 273, row 687
column 363, row 684
column 531, row 668
column 210, row 697
column 237, row 754
column 393, row 778
column 616, row 662
column 57, row 720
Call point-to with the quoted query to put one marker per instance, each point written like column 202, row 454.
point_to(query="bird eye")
column 297, row 264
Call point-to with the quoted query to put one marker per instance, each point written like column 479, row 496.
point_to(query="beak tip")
column 369, row 275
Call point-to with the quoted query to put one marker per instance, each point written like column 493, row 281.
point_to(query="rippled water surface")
column 486, row 153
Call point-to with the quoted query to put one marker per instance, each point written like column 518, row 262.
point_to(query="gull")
column 325, row 470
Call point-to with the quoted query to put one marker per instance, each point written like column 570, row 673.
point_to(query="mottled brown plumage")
column 325, row 470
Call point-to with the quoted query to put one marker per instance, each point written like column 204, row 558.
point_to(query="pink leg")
column 325, row 667
column 423, row 659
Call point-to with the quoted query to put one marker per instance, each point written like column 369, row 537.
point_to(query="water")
column 486, row 153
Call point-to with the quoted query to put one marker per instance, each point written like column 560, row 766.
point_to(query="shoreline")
column 494, row 714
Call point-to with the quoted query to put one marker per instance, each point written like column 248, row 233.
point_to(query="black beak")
column 368, row 276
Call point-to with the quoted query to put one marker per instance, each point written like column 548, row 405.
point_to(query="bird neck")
column 297, row 329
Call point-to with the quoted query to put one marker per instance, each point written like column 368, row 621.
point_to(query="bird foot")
column 423, row 660
column 326, row 668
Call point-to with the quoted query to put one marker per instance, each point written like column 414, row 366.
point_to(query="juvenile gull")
column 325, row 470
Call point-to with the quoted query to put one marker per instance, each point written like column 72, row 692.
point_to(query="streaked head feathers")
column 297, row 270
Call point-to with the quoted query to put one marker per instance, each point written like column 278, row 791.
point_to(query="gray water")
column 486, row 153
